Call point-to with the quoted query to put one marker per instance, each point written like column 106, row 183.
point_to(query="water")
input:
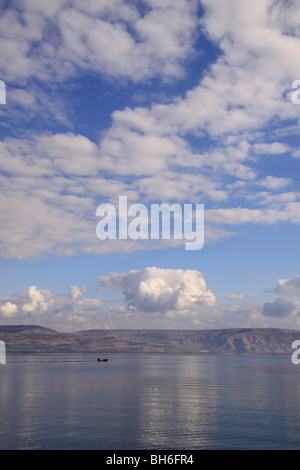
column 149, row 402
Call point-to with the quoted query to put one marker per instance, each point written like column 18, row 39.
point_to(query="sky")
column 164, row 102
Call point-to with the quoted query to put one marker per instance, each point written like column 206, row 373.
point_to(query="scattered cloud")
column 59, row 311
column 296, row 154
column 77, row 292
column 273, row 148
column 151, row 298
column 272, row 182
column 235, row 296
column 111, row 37
column 243, row 215
column 52, row 183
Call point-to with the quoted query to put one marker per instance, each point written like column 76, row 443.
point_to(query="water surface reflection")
column 149, row 402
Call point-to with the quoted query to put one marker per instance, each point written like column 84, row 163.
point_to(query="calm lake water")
column 149, row 402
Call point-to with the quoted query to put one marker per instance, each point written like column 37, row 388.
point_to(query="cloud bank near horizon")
column 150, row 298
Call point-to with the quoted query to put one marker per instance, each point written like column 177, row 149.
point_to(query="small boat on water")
column 101, row 360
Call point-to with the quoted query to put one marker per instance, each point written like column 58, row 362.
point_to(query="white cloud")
column 296, row 154
column 8, row 309
column 240, row 215
column 152, row 298
column 180, row 186
column 128, row 152
column 111, row 37
column 275, row 199
column 273, row 148
column 59, row 311
column 49, row 192
column 235, row 296
column 51, row 184
column 242, row 91
column 272, row 182
column 71, row 154
column 169, row 292
column 37, row 303
column 77, row 292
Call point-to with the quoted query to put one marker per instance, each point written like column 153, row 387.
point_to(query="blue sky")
column 170, row 101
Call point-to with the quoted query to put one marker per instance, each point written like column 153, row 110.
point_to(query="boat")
column 101, row 360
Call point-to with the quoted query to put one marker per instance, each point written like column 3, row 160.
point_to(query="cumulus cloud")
column 59, row 311
column 166, row 291
column 77, row 292
column 37, row 302
column 8, row 309
column 288, row 287
column 279, row 308
column 152, row 298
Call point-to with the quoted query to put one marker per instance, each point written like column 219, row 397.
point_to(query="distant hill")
column 36, row 339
